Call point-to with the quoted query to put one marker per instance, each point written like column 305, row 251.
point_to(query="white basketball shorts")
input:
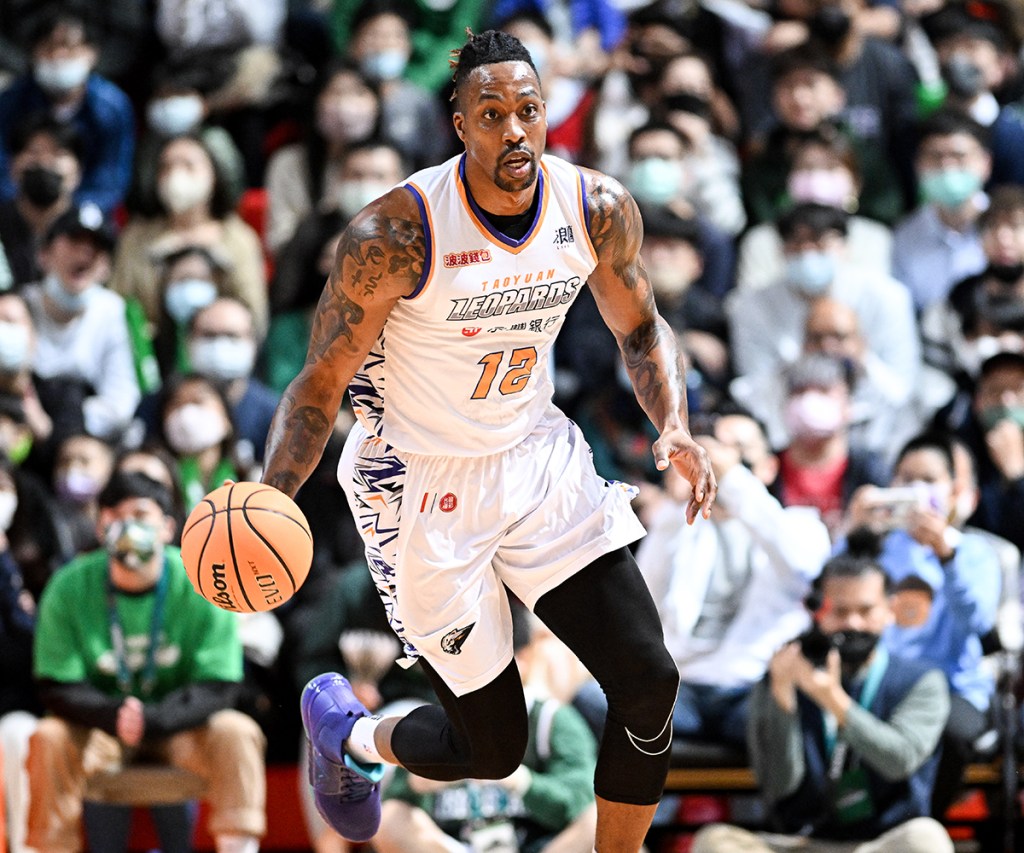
column 444, row 535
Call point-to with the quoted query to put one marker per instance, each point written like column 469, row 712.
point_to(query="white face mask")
column 342, row 120
column 61, row 75
column 186, row 296
column 192, row 428
column 8, row 506
column 180, row 190
column 222, row 358
column 353, row 196
column 14, row 347
column 175, row 115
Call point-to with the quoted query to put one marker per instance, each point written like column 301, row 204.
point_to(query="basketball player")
column 440, row 314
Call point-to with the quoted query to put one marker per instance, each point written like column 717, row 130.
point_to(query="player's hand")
column 723, row 457
column 676, row 447
column 131, row 722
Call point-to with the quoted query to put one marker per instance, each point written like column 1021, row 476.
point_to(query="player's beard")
column 510, row 185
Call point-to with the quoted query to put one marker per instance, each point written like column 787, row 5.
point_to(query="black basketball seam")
column 231, row 547
column 271, row 548
column 202, row 551
column 184, row 532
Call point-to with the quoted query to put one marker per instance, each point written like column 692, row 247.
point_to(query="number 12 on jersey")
column 521, row 362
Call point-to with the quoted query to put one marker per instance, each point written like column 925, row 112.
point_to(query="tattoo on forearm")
column 651, row 377
column 307, row 427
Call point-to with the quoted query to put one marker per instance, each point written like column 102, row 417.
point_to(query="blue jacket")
column 966, row 595
column 105, row 123
column 894, row 802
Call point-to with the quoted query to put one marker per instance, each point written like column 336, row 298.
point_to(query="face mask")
column 77, row 486
column 655, row 180
column 41, row 186
column 222, row 358
column 1006, row 273
column 538, row 55
column 994, row 414
column 855, row 647
column 180, row 190
column 131, row 543
column 964, row 78
column 949, row 188
column 183, row 298
column 669, row 281
column 193, row 428
column 811, row 272
column 813, row 414
column 1004, row 310
column 353, row 196
column 61, row 75
column 14, row 342
column 964, row 507
column 384, row 64
column 686, row 102
column 830, row 25
column 70, row 303
column 344, row 121
column 8, row 506
column 175, row 115
column 833, row 187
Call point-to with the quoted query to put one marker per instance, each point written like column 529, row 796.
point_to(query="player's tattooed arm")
column 380, row 258
column 648, row 344
column 626, row 300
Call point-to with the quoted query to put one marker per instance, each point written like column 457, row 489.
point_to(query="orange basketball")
column 246, row 547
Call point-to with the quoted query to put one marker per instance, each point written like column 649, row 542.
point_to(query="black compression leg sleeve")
column 481, row 735
column 606, row 615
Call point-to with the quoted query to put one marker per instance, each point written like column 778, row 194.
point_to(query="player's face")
column 503, row 123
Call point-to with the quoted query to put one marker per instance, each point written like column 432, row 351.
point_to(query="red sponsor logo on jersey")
column 467, row 259
column 470, row 331
column 448, row 502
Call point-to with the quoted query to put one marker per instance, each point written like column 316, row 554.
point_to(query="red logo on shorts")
column 470, row 331
column 448, row 502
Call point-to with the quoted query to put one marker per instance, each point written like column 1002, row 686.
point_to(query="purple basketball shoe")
column 347, row 792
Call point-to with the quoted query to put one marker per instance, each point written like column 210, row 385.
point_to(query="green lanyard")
column 124, row 674
column 192, row 486
column 835, row 748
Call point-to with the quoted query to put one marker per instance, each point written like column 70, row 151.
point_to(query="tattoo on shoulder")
column 375, row 249
column 615, row 226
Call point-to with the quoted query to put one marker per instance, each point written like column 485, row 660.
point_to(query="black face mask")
column 855, row 647
column 1004, row 310
column 1006, row 273
column 41, row 186
column 964, row 78
column 830, row 25
column 688, row 103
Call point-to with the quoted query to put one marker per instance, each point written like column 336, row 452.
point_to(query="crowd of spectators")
column 833, row 200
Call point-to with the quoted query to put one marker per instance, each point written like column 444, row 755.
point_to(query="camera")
column 815, row 645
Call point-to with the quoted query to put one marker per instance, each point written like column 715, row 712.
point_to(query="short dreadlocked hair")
column 486, row 48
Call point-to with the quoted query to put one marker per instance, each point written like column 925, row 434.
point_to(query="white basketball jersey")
column 461, row 367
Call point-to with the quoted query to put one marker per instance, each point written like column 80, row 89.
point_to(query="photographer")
column 948, row 585
column 843, row 746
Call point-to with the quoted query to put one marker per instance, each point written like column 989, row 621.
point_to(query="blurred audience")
column 46, row 170
column 192, row 207
column 63, row 83
column 122, row 680
column 869, row 777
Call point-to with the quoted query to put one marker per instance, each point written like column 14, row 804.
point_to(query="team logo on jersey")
column 453, row 641
column 563, row 236
column 467, row 259
column 470, row 331
column 448, row 502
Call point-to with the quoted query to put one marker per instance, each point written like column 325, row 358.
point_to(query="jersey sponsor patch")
column 465, row 259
